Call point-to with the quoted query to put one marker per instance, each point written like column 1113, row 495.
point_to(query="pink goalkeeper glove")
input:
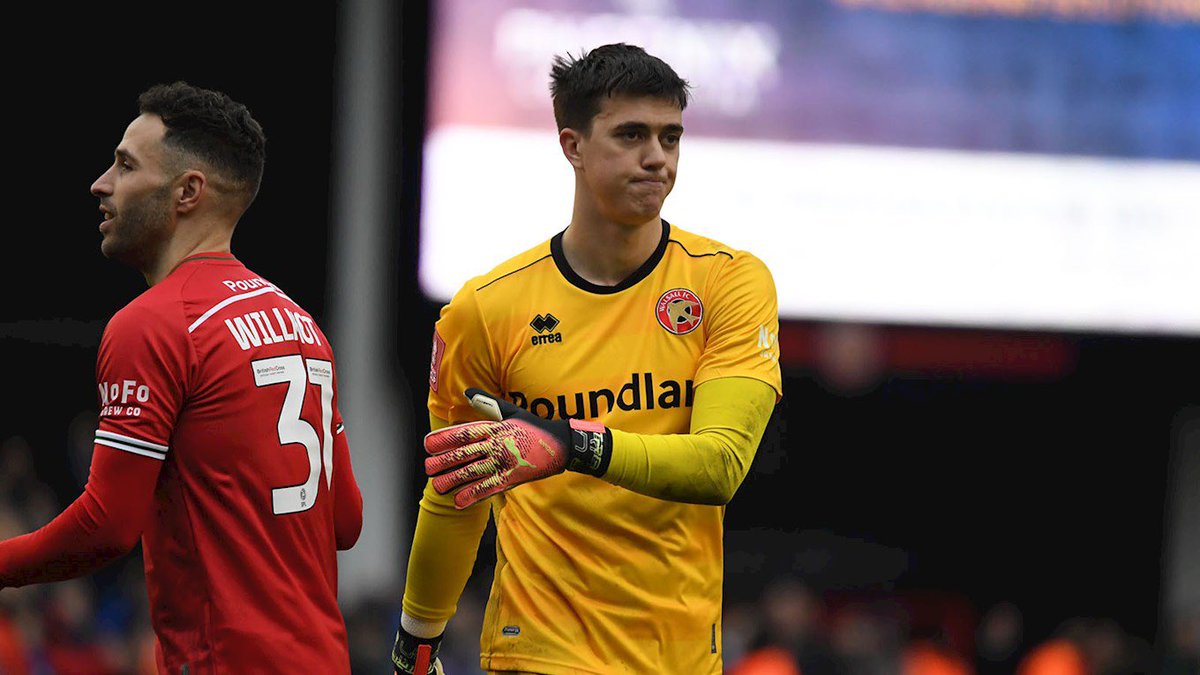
column 480, row 459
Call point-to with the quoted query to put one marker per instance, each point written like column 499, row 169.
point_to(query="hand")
column 412, row 655
column 480, row 459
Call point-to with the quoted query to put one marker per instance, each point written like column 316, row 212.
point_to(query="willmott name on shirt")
column 255, row 329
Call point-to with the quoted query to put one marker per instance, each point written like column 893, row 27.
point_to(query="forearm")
column 692, row 468
column 707, row 465
column 73, row 544
column 103, row 524
column 445, row 544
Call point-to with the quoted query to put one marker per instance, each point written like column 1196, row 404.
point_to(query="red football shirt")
column 229, row 387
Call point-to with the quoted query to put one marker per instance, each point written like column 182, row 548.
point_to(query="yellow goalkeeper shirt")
column 591, row 577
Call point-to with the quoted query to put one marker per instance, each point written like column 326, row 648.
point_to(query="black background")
column 1048, row 491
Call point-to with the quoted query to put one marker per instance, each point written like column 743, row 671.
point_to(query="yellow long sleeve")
column 445, row 544
column 707, row 465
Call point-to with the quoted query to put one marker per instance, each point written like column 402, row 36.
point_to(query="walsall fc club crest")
column 679, row 311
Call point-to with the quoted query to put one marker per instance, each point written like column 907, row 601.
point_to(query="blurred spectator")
column 1056, row 656
column 20, row 488
column 13, row 660
column 850, row 358
column 866, row 640
column 767, row 661
column 999, row 638
column 10, row 522
column 71, row 644
column 932, row 656
column 1088, row 646
column 122, row 615
column 740, row 623
column 1109, row 650
column 792, row 624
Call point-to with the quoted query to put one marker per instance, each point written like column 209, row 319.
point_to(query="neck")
column 214, row 239
column 606, row 253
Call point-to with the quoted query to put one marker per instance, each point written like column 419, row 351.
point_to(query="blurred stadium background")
column 984, row 221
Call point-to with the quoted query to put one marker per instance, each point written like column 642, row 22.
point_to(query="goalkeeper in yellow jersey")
column 602, row 396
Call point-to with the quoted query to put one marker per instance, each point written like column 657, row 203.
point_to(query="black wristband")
column 591, row 448
column 404, row 653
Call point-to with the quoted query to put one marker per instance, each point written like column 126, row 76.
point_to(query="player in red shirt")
column 220, row 443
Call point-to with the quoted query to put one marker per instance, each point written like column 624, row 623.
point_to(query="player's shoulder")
column 152, row 323
column 157, row 309
column 511, row 275
column 696, row 245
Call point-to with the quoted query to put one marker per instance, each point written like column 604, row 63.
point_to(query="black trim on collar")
column 560, row 261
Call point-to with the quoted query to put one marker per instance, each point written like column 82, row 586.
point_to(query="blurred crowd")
column 793, row 630
column 99, row 625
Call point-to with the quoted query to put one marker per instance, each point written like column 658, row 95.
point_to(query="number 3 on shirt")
column 298, row 372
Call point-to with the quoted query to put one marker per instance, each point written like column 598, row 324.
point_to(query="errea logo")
column 545, row 326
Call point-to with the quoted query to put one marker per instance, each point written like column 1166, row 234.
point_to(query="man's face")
column 629, row 159
column 135, row 195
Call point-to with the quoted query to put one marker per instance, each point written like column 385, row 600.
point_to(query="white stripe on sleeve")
column 130, row 444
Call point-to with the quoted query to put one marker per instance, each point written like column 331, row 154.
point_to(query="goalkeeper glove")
column 412, row 655
column 480, row 459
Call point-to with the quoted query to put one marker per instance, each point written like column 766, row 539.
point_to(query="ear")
column 193, row 185
column 570, row 140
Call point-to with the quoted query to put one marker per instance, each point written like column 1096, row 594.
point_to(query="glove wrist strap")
column 590, row 449
column 405, row 652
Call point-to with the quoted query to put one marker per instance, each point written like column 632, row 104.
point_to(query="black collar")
column 560, row 260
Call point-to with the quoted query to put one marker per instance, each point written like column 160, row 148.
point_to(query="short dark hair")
column 211, row 126
column 577, row 85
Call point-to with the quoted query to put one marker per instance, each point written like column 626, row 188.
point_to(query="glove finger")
column 449, row 460
column 451, row 480
column 457, row 436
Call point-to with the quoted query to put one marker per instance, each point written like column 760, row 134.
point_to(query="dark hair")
column 213, row 127
column 578, row 84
